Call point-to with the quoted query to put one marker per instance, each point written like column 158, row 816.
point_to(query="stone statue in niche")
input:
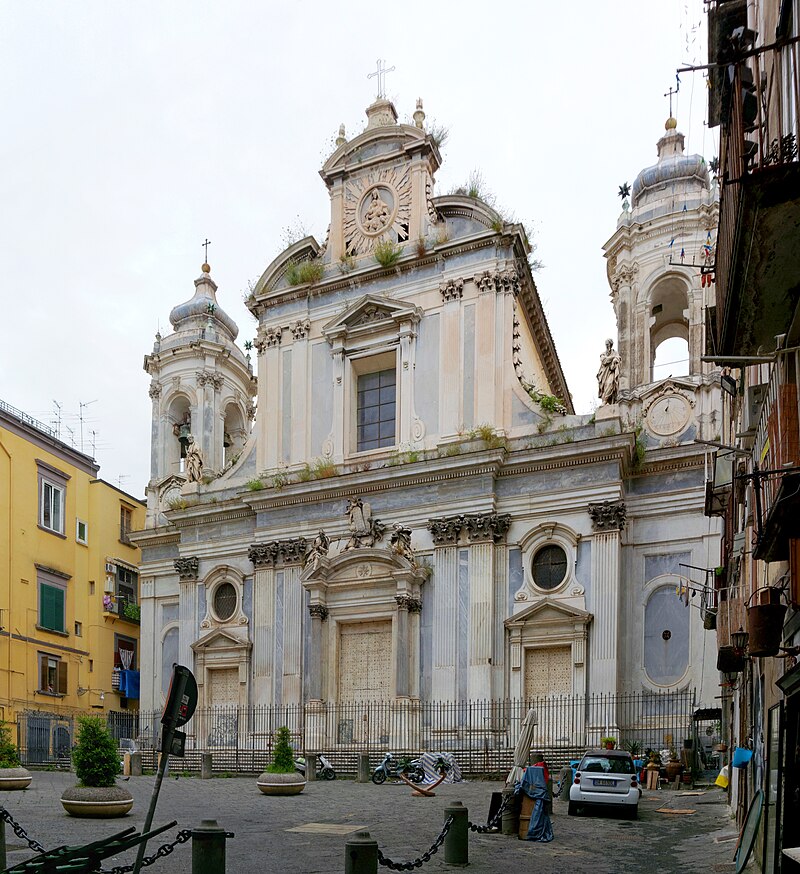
column 319, row 549
column 377, row 214
column 608, row 374
column 194, row 461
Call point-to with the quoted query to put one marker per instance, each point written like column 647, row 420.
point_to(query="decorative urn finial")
column 341, row 139
column 419, row 115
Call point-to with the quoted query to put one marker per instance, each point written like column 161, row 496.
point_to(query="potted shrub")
column 96, row 761
column 12, row 776
column 608, row 742
column 280, row 778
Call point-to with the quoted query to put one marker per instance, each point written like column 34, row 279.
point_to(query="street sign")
column 181, row 698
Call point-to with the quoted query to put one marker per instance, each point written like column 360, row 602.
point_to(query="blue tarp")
column 534, row 785
column 129, row 684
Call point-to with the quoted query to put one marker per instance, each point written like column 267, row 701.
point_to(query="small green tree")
column 95, row 756
column 8, row 751
column 282, row 755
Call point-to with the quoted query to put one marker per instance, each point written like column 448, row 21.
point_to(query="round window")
column 549, row 567
column 225, row 600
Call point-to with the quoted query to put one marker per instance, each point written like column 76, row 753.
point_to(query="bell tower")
column 202, row 388
column 660, row 269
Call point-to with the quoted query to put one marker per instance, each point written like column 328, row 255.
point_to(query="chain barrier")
column 20, row 832
column 495, row 820
column 425, row 857
column 163, row 851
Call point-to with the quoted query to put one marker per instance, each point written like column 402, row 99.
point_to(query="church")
column 387, row 496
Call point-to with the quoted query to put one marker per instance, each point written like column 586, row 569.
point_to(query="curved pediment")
column 303, row 250
column 367, row 564
column 377, row 144
column 476, row 215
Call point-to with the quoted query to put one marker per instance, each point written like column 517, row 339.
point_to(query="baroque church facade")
column 392, row 499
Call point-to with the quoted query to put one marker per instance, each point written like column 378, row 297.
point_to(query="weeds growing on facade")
column 308, row 272
column 255, row 485
column 387, row 253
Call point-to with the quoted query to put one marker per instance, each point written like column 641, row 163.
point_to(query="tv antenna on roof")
column 81, row 405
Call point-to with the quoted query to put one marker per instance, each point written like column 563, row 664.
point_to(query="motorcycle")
column 394, row 767
column 324, row 767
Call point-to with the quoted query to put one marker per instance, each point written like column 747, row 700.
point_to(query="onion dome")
column 673, row 166
column 203, row 310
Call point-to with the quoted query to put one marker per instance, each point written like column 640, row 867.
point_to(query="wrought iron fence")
column 480, row 734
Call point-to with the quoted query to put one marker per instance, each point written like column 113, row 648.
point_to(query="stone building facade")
column 417, row 513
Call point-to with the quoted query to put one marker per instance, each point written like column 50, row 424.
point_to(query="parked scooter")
column 324, row 767
column 391, row 766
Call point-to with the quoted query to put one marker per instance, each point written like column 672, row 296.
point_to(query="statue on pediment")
column 608, row 374
column 364, row 530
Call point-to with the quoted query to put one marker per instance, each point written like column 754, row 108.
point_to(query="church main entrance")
column 548, row 671
column 365, row 661
column 224, row 717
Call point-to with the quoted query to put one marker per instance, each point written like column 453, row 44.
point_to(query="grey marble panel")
column 546, row 482
column 521, row 415
column 159, row 553
column 169, row 657
column 583, row 566
column 247, row 600
column 169, row 613
column 516, row 576
column 321, row 395
column 217, row 530
column 666, row 482
column 666, row 563
column 426, row 374
column 286, row 406
column 279, row 620
column 468, row 370
column 201, row 607
column 305, row 630
column 426, row 620
column 462, row 644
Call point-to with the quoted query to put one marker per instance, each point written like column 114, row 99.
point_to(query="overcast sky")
column 133, row 131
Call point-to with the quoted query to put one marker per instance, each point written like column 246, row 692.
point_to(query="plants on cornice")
column 438, row 133
column 254, row 485
column 549, row 403
column 347, row 263
column 323, row 468
column 279, row 479
column 308, row 272
column 387, row 253
column 179, row 503
column 488, row 436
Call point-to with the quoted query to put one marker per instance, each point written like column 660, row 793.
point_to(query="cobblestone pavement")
column 404, row 827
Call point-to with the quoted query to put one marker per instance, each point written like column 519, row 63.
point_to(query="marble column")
column 187, row 568
column 401, row 648
column 481, row 620
column 263, row 633
column 319, row 613
column 292, row 635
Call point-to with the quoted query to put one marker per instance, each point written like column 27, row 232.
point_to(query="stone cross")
column 205, row 245
column 381, row 72
column 669, row 94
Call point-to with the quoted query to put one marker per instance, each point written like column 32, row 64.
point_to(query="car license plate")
column 604, row 782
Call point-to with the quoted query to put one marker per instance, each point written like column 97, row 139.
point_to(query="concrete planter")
column 14, row 778
column 281, row 784
column 97, row 801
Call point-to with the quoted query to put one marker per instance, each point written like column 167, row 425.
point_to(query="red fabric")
column 546, row 772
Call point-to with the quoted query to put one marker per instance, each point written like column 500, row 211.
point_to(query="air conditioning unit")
column 110, row 568
column 753, row 402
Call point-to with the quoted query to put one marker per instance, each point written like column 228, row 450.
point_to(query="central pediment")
column 549, row 611
column 370, row 313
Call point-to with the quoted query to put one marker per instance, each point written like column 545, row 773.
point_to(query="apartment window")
column 376, row 410
column 125, row 523
column 125, row 653
column 81, row 532
column 52, row 675
column 52, row 599
column 91, row 587
column 78, row 629
column 52, row 492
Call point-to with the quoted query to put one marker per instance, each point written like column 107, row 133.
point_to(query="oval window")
column 225, row 600
column 549, row 567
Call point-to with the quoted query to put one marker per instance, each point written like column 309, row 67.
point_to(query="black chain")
column 164, row 850
column 425, row 857
column 494, row 821
column 19, row 831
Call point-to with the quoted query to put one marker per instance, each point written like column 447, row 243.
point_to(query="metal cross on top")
column 205, row 245
column 381, row 74
column 669, row 94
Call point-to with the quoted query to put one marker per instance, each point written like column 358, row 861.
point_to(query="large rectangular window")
column 376, row 411
column 51, row 607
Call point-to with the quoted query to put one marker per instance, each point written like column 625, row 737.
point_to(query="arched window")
column 669, row 329
column 179, row 419
column 671, row 359
column 234, row 434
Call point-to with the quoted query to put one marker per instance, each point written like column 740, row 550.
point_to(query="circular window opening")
column 549, row 567
column 225, row 601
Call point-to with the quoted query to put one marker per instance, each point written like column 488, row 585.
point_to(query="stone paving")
column 278, row 835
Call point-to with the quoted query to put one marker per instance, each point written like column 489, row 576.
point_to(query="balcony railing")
column 759, row 131
column 125, row 607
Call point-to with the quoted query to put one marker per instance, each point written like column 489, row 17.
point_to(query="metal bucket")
column 729, row 661
column 765, row 629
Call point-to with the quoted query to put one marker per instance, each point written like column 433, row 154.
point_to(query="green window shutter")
column 59, row 609
column 51, row 607
column 62, row 678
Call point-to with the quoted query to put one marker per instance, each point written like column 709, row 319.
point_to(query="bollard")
column 126, row 764
column 360, row 854
column 456, row 842
column 206, row 765
column 510, row 817
column 208, row 848
column 136, row 764
column 3, row 862
column 363, row 768
column 311, row 767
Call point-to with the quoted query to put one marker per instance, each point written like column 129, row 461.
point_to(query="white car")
column 605, row 778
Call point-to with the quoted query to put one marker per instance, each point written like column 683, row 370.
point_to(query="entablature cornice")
column 155, row 537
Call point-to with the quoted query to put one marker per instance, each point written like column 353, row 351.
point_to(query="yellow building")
column 69, row 588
